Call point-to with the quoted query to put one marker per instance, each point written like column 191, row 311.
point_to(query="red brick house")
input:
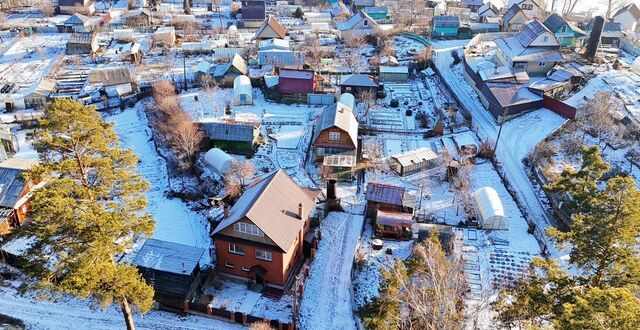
column 293, row 81
column 260, row 239
column 15, row 193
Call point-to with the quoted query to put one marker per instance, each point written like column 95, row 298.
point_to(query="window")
column 334, row 136
column 320, row 151
column 520, row 65
column 545, row 38
column 228, row 265
column 564, row 28
column 263, row 255
column 542, row 64
column 365, row 22
column 248, row 228
column 527, row 6
column 245, row 269
column 236, row 249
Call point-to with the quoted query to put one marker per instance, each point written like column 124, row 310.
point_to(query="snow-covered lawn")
column 175, row 221
column 326, row 302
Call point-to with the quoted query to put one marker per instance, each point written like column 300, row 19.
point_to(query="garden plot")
column 40, row 45
column 390, row 119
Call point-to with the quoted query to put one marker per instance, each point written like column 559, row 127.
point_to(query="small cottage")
column 358, row 25
column 172, row 270
column 566, row 33
column 70, row 7
column 514, row 19
column 357, row 83
column 81, row 43
column 445, row 26
column 270, row 29
column 628, row 16
column 413, row 161
column 165, row 36
column 253, row 13
column 336, row 131
column 293, row 81
column 142, row 17
column 394, row 74
column 226, row 73
column 15, row 193
column 391, row 210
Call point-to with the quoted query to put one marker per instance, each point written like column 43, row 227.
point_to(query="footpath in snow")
column 518, row 137
column 175, row 222
column 326, row 302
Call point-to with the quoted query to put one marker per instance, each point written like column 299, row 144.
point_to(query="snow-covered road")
column 519, row 136
column 326, row 302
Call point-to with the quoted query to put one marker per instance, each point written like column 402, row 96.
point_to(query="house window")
column 520, row 65
column 228, row 265
column 542, row 64
column 334, row 136
column 263, row 255
column 545, row 38
column 320, row 151
column 236, row 249
column 365, row 22
column 527, row 6
column 248, row 228
column 245, row 269
column 564, row 28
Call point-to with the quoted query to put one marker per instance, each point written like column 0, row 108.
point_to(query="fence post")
column 185, row 306
column 233, row 317
column 244, row 319
column 209, row 309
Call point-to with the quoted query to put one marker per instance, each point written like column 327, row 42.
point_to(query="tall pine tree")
column 88, row 213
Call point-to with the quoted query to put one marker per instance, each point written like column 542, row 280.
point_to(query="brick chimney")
column 300, row 211
column 226, row 210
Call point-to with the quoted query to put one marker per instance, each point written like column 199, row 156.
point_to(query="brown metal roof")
column 271, row 203
column 384, row 193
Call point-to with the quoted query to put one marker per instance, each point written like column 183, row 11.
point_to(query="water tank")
column 594, row 37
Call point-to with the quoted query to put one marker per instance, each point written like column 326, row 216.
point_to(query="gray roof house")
column 358, row 25
column 232, row 136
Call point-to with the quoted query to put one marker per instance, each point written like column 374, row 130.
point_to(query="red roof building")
column 293, row 81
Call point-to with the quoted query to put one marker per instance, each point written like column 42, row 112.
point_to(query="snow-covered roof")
column 241, row 85
column 355, row 19
column 218, row 160
column 415, row 156
column 394, row 69
column 271, row 80
column 348, row 100
column 165, row 29
column 168, row 257
column 234, row 131
column 512, row 94
column 511, row 13
column 281, row 57
column 357, row 80
column 514, row 50
column 340, row 116
column 274, row 43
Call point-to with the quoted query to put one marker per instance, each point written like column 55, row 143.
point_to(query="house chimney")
column 226, row 210
column 300, row 211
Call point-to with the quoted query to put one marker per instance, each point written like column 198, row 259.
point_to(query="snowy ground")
column 175, row 221
column 327, row 302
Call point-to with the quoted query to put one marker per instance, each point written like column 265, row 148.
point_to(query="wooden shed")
column 170, row 268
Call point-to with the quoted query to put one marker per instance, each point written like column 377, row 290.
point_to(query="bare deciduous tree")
column 46, row 8
column 613, row 6
column 368, row 98
column 597, row 118
column 237, row 177
column 311, row 46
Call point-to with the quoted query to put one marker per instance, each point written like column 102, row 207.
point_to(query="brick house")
column 260, row 239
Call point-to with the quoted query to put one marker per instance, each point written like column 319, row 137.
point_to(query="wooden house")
column 253, row 13
column 566, row 33
column 413, row 161
column 359, row 24
column 357, row 83
column 262, row 237
column 165, row 35
column 391, row 210
column 231, row 136
column 138, row 18
column 514, row 19
column 270, row 29
column 15, row 193
column 226, row 73
column 336, row 131
column 172, row 269
column 533, row 9
column 487, row 12
column 81, row 43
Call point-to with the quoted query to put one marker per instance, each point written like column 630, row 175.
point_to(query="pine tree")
column 298, row 13
column 612, row 308
column 88, row 213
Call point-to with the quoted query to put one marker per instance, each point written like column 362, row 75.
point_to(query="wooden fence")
column 559, row 107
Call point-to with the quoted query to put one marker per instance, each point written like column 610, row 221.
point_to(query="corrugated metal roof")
column 415, row 156
column 223, row 131
column 272, row 204
column 355, row 19
column 168, row 257
column 446, row 21
column 338, row 115
column 554, row 22
column 357, row 80
column 274, row 24
column 11, row 186
column 511, row 13
column 81, row 38
column 384, row 193
column 390, row 218
column 296, row 74
column 512, row 94
column 530, row 32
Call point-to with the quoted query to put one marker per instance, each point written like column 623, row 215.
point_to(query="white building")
column 489, row 209
column 628, row 17
column 242, row 91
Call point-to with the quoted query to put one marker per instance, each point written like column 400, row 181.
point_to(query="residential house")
column 514, row 19
column 226, row 73
column 566, row 33
column 533, row 9
column 142, row 17
column 362, row 4
column 558, row 83
column 81, row 43
column 112, row 75
column 359, row 24
column 473, row 5
column 336, row 131
column 628, row 16
column 172, row 270
column 293, row 81
column 274, row 58
column 611, row 33
column 260, row 239
column 488, row 10
column 76, row 23
column 445, row 26
column 274, row 44
column 390, row 209
column 534, row 49
column 253, row 13
column 357, row 83
column 507, row 99
column 270, row 29
column 378, row 13
column 413, row 161
column 232, row 136
column 15, row 193
column 38, row 95
column 70, row 7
